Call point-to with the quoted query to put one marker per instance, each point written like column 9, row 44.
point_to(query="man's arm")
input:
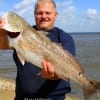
column 4, row 43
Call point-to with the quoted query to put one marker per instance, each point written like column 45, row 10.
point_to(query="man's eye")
column 41, row 13
column 38, row 13
column 48, row 13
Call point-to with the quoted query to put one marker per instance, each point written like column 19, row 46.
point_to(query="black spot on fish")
column 79, row 73
column 91, row 82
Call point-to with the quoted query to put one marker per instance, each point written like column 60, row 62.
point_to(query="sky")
column 73, row 15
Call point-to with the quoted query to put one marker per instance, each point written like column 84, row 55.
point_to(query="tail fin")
column 92, row 88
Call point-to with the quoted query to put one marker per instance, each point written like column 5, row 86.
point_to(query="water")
column 7, row 65
column 87, row 52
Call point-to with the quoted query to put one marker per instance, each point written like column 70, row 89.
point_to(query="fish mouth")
column 13, row 34
column 10, row 34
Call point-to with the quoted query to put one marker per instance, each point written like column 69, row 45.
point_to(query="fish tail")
column 91, row 89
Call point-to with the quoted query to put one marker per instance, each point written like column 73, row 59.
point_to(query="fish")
column 34, row 46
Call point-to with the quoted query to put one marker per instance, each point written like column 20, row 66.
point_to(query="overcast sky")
column 74, row 15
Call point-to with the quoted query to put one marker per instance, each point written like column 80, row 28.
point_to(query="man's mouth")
column 44, row 21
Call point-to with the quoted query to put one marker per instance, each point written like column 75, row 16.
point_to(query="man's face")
column 45, row 16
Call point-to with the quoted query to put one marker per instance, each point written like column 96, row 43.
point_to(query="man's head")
column 45, row 14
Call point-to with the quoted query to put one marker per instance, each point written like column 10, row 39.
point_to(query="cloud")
column 88, row 21
column 24, row 5
column 25, row 8
column 85, row 21
column 2, row 13
column 63, row 3
column 68, row 19
column 93, row 14
column 66, row 14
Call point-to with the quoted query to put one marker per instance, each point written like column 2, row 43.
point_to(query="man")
column 33, row 83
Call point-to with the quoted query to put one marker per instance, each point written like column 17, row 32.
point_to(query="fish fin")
column 92, row 89
column 21, row 58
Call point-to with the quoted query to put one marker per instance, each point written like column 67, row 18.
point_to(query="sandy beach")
column 7, row 88
column 7, row 95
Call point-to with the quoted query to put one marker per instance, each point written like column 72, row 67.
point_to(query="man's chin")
column 44, row 28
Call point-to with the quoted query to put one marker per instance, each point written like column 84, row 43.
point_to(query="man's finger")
column 2, row 22
column 50, row 69
column 44, row 69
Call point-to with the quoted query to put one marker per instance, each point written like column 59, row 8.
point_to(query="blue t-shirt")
column 29, row 84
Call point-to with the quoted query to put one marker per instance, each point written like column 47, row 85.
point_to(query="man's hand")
column 2, row 22
column 4, row 42
column 48, row 71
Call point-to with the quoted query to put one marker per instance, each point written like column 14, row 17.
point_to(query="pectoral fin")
column 21, row 58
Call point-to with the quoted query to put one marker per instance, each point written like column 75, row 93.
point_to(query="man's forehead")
column 46, row 6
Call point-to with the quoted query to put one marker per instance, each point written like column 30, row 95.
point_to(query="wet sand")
column 7, row 88
column 7, row 95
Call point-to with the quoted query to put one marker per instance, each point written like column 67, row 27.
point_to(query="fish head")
column 13, row 22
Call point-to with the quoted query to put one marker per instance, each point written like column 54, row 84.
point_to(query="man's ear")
column 56, row 15
column 4, row 43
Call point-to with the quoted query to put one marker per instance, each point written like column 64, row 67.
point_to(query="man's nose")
column 44, row 15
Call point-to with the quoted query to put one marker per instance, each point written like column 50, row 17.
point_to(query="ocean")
column 87, row 52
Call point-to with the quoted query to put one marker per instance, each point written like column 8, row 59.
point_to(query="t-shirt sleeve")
column 67, row 42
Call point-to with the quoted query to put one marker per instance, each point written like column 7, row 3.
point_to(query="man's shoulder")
column 62, row 32
column 59, row 29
